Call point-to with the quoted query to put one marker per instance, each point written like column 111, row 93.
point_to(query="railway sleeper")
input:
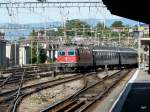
column 88, row 97
column 74, row 107
column 66, row 106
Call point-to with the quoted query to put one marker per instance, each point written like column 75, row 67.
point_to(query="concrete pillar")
column 149, row 61
column 149, row 53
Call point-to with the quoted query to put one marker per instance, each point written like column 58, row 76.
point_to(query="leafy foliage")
column 42, row 56
column 37, row 51
column 117, row 24
column 75, row 27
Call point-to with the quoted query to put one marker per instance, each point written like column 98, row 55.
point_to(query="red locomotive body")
column 74, row 58
column 67, row 57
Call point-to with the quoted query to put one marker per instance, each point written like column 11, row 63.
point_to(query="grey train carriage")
column 115, row 57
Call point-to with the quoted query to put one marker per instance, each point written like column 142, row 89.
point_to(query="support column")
column 149, row 60
column 149, row 53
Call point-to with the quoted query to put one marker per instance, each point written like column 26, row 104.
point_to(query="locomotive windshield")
column 71, row 53
column 61, row 53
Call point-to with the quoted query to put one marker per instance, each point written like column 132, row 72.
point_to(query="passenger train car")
column 115, row 57
column 81, row 58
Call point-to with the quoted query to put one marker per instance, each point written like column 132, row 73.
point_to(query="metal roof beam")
column 51, row 4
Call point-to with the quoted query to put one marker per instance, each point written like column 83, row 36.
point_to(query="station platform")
column 132, row 96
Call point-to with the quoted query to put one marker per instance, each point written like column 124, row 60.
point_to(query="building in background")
column 2, row 53
column 2, row 35
column 12, row 54
column 24, row 54
column 2, row 50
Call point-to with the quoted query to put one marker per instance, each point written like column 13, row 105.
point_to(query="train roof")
column 114, row 49
column 101, row 48
column 75, row 47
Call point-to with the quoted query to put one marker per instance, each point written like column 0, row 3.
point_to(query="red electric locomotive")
column 67, row 57
column 74, row 58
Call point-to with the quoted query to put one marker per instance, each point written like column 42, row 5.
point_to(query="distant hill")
column 30, row 27
column 25, row 29
column 109, row 22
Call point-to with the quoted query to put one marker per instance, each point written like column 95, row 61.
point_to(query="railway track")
column 27, row 68
column 80, row 101
column 15, row 76
column 9, row 100
column 29, row 76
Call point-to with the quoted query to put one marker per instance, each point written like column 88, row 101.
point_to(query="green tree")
column 75, row 27
column 42, row 56
column 100, row 26
column 33, row 38
column 37, row 51
column 60, row 31
column 117, row 24
column 122, row 29
column 103, row 31
column 21, row 39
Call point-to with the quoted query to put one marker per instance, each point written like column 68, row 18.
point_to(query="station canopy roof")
column 132, row 9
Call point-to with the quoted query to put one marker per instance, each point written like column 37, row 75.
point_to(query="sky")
column 23, row 16
column 27, row 16
column 39, row 15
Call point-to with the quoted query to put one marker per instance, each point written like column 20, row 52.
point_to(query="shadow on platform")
column 136, row 98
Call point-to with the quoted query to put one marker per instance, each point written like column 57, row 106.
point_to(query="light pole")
column 15, row 53
column 139, row 47
column 83, row 31
column 95, row 34
column 119, row 40
column 37, row 52
column 31, row 51
column 99, row 38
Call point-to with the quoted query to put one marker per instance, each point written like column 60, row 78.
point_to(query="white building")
column 25, row 55
column 12, row 54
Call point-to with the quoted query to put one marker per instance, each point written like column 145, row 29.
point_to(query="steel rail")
column 73, row 103
column 26, row 93
column 8, row 95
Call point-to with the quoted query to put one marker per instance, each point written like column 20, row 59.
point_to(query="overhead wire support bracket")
column 51, row 4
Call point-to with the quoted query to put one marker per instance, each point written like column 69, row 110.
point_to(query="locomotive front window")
column 61, row 53
column 71, row 53
column 77, row 52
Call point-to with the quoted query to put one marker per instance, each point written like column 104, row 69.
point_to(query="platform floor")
column 133, row 96
column 142, row 76
column 138, row 99
column 136, row 95
column 106, row 104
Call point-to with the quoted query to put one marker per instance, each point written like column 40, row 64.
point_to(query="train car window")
column 61, row 53
column 71, row 53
